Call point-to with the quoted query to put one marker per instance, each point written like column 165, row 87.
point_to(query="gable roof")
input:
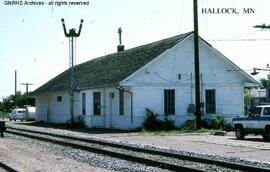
column 109, row 69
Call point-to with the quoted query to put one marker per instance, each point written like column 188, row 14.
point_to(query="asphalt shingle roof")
column 109, row 69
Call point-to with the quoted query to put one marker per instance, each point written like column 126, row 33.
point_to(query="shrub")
column 189, row 126
column 168, row 124
column 152, row 123
column 216, row 122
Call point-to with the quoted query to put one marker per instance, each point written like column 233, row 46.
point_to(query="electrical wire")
column 251, row 39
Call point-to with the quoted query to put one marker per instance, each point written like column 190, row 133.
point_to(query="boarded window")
column 59, row 98
column 210, row 100
column 121, row 102
column 97, row 103
column 169, row 102
column 83, row 104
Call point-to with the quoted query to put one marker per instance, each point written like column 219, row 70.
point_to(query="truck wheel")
column 266, row 135
column 239, row 133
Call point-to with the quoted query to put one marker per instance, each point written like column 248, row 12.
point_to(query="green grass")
column 182, row 131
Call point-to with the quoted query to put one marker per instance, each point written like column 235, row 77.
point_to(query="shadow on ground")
column 72, row 127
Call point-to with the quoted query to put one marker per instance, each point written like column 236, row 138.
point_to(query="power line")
column 251, row 39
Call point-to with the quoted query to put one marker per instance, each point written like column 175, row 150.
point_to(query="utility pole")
column 26, row 84
column 197, row 67
column 15, row 98
column 72, row 33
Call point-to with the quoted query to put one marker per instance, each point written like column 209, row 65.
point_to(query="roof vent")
column 120, row 47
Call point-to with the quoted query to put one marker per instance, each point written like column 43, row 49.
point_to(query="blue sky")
column 33, row 42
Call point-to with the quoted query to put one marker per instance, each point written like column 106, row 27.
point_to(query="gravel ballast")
column 167, row 144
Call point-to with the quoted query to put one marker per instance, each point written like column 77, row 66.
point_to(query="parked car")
column 17, row 114
column 258, row 122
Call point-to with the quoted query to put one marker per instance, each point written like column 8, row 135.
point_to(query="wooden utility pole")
column 197, row 66
column 26, row 84
column 15, row 98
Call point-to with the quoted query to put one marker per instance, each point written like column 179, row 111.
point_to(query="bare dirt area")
column 24, row 157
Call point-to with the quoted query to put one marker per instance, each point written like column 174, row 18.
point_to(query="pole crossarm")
column 263, row 26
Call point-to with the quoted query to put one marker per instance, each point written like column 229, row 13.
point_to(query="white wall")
column 149, row 82
column 109, row 117
column 48, row 109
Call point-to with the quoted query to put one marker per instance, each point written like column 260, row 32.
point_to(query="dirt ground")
column 24, row 157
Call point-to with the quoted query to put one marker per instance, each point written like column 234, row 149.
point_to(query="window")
column 121, row 102
column 96, row 103
column 210, row 100
column 169, row 102
column 256, row 111
column 266, row 111
column 83, row 104
column 59, row 98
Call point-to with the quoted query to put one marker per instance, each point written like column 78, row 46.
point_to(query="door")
column 111, row 110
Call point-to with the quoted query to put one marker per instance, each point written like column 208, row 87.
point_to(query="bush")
column 216, row 122
column 189, row 126
column 168, row 124
column 152, row 123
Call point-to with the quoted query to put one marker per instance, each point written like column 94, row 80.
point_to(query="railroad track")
column 5, row 167
column 147, row 156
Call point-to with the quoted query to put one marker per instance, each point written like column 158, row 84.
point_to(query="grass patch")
column 188, row 128
column 181, row 131
column 3, row 115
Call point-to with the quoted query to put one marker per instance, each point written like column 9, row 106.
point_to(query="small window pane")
column 266, row 111
column 59, row 98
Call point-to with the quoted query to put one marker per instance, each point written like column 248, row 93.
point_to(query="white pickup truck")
column 258, row 122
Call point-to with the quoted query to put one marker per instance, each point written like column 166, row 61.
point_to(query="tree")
column 266, row 84
column 9, row 102
column 247, row 99
column 266, row 81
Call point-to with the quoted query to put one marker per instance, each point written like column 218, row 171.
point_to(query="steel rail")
column 7, row 167
column 123, row 156
column 235, row 166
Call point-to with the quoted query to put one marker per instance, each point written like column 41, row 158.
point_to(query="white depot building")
column 113, row 91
